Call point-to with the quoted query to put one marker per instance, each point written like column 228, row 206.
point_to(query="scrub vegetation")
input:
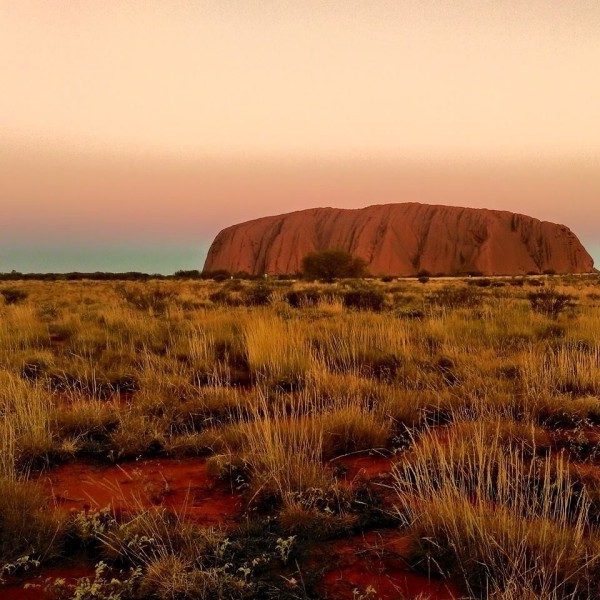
column 457, row 419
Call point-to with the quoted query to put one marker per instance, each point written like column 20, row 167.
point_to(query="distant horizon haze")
column 159, row 216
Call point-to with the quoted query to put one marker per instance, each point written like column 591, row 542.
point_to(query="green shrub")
column 332, row 264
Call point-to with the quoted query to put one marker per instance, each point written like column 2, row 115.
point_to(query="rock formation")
column 403, row 239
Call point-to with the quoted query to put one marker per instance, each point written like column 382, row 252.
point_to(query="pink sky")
column 161, row 122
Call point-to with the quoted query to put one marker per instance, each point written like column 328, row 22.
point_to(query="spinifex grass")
column 487, row 514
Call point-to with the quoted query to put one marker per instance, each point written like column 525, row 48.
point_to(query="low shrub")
column 37, row 365
column 454, row 297
column 480, row 282
column 155, row 300
column 257, row 295
column 13, row 295
column 364, row 299
column 304, row 298
column 551, row 303
column 225, row 297
column 218, row 275
column 379, row 365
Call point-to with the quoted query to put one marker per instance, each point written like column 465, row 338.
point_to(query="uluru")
column 403, row 240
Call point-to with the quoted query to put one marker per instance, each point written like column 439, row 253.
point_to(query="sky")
column 132, row 132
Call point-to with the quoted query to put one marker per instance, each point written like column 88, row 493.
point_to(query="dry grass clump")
column 282, row 447
column 568, row 369
column 25, row 429
column 278, row 352
column 27, row 528
column 351, row 430
column 486, row 514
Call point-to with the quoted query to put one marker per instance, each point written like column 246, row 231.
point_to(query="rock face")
column 403, row 239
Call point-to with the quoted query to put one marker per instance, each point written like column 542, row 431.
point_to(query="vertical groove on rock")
column 402, row 239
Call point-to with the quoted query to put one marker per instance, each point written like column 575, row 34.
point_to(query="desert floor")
column 283, row 439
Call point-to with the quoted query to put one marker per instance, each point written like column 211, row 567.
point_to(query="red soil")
column 377, row 560
column 180, row 485
column 361, row 467
column 33, row 587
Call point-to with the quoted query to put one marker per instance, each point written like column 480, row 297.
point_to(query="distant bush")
column 156, row 300
column 226, row 297
column 482, row 282
column 366, row 299
column 193, row 274
column 423, row 279
column 550, row 302
column 79, row 276
column 257, row 295
column 13, row 295
column 536, row 282
column 332, row 264
column 218, row 275
column 455, row 297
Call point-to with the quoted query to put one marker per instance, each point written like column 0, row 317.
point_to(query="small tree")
column 332, row 264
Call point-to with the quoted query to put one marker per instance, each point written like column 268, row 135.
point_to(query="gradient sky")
column 131, row 132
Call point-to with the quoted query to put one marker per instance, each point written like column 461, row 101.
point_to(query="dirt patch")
column 363, row 467
column 32, row 588
column 377, row 561
column 180, row 485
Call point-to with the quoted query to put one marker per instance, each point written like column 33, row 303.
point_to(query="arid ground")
column 355, row 440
